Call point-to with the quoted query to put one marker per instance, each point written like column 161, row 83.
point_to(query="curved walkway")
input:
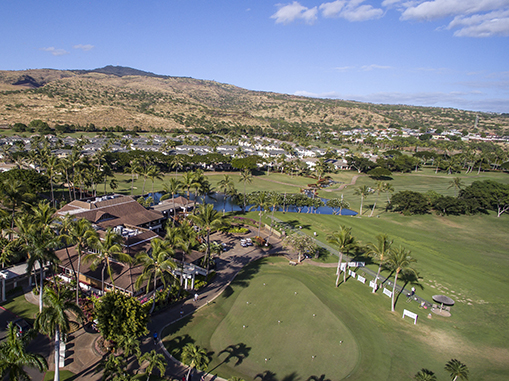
column 343, row 186
column 227, row 268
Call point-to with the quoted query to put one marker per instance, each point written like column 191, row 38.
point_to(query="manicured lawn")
column 377, row 344
column 22, row 308
column 463, row 257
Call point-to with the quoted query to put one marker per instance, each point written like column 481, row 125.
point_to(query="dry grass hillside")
column 112, row 96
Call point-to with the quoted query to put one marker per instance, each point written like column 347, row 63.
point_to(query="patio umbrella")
column 442, row 299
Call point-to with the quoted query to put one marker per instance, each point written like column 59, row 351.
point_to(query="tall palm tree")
column 14, row 194
column 178, row 161
column 155, row 360
column 379, row 250
column 54, row 318
column 457, row 370
column 364, row 192
column 207, row 219
column 133, row 168
column 195, row 357
column 425, row 375
column 14, row 356
column 83, row 235
column 51, row 164
column 154, row 173
column 225, row 184
column 108, row 248
column 456, row 183
column 172, row 187
column 259, row 200
column 38, row 240
column 158, row 264
column 345, row 242
column 274, row 203
column 188, row 180
column 379, row 188
column 399, row 260
column 245, row 177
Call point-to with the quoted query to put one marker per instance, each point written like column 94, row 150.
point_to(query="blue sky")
column 448, row 53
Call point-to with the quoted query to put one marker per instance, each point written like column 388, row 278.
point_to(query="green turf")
column 381, row 344
column 22, row 308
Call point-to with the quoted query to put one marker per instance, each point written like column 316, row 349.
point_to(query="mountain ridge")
column 128, row 97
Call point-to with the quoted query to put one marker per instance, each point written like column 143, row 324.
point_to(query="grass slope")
column 381, row 344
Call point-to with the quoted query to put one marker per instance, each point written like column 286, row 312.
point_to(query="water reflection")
column 219, row 201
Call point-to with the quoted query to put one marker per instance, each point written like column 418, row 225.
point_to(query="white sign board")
column 361, row 279
column 372, row 284
column 343, row 266
column 411, row 315
column 387, row 292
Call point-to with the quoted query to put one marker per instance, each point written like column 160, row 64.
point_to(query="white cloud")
column 54, row 51
column 350, row 10
column 471, row 18
column 85, row 48
column 436, row 9
column 332, row 9
column 294, row 11
column 374, row 66
column 487, row 25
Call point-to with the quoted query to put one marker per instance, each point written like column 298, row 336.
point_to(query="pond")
column 218, row 199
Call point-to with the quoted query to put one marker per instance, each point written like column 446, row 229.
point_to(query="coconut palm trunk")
column 394, row 289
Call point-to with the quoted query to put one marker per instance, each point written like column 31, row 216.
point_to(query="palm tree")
column 195, row 357
column 154, row 174
column 178, row 161
column 173, row 187
column 133, row 168
column 39, row 242
column 363, row 191
column 225, row 185
column 188, row 181
column 379, row 251
column 207, row 219
column 51, row 164
column 155, row 360
column 345, row 242
column 457, row 184
column 399, row 260
column 108, row 248
column 83, row 235
column 245, row 177
column 457, row 370
column 54, row 318
column 425, row 375
column 157, row 264
column 14, row 194
column 274, row 203
column 259, row 200
column 379, row 188
column 14, row 356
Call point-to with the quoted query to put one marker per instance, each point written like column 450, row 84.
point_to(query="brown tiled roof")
column 112, row 212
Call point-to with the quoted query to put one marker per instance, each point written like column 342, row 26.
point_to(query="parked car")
column 21, row 325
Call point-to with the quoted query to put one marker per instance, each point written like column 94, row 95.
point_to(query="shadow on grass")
column 177, row 344
column 271, row 376
column 235, row 351
column 246, row 274
column 296, row 224
column 318, row 378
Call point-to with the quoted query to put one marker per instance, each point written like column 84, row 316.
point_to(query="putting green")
column 279, row 319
